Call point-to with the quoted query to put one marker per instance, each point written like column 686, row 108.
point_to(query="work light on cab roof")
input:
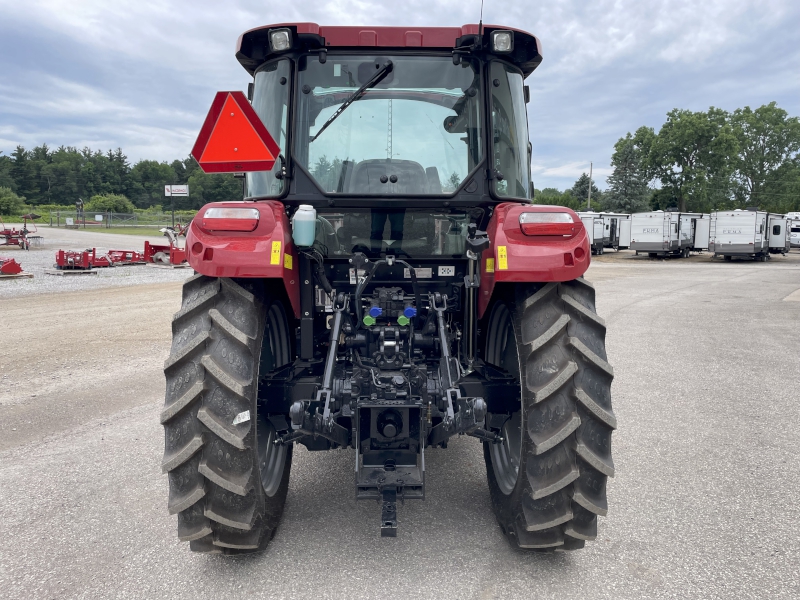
column 383, row 284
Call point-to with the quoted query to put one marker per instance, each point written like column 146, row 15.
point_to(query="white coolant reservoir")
column 304, row 226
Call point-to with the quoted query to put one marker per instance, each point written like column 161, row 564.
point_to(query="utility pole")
column 589, row 204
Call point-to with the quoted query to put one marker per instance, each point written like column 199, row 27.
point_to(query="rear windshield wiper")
column 374, row 80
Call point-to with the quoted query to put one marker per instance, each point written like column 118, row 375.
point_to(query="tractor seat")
column 366, row 177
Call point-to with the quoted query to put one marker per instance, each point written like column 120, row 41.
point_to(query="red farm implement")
column 162, row 254
column 10, row 236
column 81, row 260
column 89, row 259
column 9, row 266
column 126, row 257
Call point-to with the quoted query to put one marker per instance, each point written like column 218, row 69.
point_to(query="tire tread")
column 565, row 379
column 215, row 486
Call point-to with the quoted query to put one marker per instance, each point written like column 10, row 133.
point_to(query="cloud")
column 140, row 75
column 570, row 171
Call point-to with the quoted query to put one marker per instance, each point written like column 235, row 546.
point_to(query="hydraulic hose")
column 319, row 271
column 370, row 272
column 362, row 284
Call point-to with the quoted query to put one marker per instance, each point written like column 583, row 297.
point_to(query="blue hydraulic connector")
column 410, row 311
column 375, row 311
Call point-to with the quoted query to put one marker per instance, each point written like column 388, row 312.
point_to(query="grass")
column 151, row 232
column 145, row 231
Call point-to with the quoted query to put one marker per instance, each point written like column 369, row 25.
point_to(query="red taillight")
column 229, row 219
column 548, row 223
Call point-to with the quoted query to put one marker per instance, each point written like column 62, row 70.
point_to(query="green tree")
column 555, row 197
column 628, row 182
column 62, row 176
column 692, row 157
column 10, row 203
column 205, row 187
column 767, row 138
column 580, row 191
column 322, row 172
column 452, row 183
column 643, row 139
column 146, row 181
column 6, row 180
column 109, row 203
column 781, row 192
column 23, row 173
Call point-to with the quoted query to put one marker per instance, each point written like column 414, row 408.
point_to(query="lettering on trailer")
column 731, row 231
column 651, row 230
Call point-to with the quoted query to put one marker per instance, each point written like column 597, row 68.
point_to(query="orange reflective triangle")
column 234, row 139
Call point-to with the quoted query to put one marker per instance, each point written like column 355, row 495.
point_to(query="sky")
column 140, row 75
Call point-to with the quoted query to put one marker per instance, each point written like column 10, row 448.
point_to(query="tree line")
column 699, row 162
column 43, row 176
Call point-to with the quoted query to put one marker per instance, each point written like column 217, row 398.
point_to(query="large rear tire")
column 227, row 480
column 547, row 479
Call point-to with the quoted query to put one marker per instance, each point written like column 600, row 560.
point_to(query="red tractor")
column 386, row 284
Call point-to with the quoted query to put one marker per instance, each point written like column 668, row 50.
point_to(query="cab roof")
column 253, row 48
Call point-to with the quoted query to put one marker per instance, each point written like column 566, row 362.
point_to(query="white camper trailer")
column 779, row 232
column 662, row 233
column 700, row 238
column 739, row 233
column 794, row 237
column 613, row 225
column 595, row 229
column 625, row 233
column 794, row 229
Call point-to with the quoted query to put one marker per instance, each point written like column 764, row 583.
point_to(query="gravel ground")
column 42, row 256
column 706, row 363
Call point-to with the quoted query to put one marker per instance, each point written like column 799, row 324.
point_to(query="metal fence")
column 108, row 220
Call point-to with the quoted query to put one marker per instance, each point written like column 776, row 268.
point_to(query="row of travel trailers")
column 742, row 233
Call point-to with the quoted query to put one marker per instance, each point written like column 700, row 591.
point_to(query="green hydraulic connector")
column 368, row 321
column 402, row 320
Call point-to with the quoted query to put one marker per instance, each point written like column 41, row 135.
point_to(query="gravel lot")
column 702, row 506
column 42, row 256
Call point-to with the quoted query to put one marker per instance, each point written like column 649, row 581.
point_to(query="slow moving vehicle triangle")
column 233, row 138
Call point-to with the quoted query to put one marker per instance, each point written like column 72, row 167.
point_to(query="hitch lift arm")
column 322, row 424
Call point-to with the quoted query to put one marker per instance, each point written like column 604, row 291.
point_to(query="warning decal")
column 490, row 265
column 275, row 256
column 502, row 258
column 287, row 261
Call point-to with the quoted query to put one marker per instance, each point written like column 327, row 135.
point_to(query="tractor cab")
column 391, row 116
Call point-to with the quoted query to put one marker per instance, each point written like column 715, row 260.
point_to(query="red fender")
column 516, row 257
column 266, row 252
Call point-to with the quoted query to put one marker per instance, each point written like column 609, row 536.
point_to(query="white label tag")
column 421, row 273
column 337, row 70
column 242, row 417
column 353, row 278
column 447, row 271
